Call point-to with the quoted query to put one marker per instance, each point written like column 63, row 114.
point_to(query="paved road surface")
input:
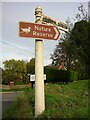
column 8, row 98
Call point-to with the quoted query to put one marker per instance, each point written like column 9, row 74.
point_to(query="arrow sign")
column 34, row 30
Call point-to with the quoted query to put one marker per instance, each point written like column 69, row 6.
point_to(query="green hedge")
column 54, row 75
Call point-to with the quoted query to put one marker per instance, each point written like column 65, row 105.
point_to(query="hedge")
column 54, row 75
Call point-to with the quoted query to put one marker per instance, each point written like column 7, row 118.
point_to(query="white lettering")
column 34, row 32
column 42, row 28
column 40, row 34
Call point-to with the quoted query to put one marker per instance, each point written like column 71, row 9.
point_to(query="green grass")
column 14, row 89
column 61, row 101
column 70, row 100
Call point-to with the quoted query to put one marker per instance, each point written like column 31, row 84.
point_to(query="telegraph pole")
column 39, row 80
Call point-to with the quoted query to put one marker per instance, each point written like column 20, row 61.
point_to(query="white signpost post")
column 39, row 82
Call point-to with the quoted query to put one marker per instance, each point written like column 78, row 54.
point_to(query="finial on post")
column 38, row 11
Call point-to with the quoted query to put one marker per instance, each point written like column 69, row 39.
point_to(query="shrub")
column 54, row 75
column 5, row 81
column 19, row 83
column 72, row 76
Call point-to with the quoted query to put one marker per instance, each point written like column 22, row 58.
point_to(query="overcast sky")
column 15, row 47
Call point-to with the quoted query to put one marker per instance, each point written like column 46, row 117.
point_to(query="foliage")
column 58, row 55
column 54, row 75
column 62, row 101
column 0, row 75
column 82, row 13
column 20, row 108
column 79, row 39
column 31, row 66
column 19, row 82
column 66, row 100
column 17, row 71
column 75, row 46
column 14, row 70
column 14, row 89
column 72, row 76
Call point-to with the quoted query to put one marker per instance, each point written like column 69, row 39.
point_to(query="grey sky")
column 15, row 47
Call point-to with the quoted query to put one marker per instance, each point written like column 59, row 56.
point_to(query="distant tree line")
column 17, row 70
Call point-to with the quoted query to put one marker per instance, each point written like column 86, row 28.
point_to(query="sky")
column 12, row 46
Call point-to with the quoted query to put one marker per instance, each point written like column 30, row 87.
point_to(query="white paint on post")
column 39, row 82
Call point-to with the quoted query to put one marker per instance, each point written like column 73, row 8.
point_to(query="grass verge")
column 13, row 90
column 61, row 101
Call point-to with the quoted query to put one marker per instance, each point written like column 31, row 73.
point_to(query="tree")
column 58, row 55
column 0, row 75
column 75, row 49
column 75, row 46
column 14, row 70
column 82, row 14
column 31, row 66
column 81, row 51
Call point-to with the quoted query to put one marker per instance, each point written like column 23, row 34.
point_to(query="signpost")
column 39, row 71
column 38, row 31
column 50, row 21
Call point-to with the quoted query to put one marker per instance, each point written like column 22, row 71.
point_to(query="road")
column 8, row 98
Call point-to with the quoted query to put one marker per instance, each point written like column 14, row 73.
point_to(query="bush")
column 19, row 83
column 54, row 75
column 72, row 76
column 5, row 81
